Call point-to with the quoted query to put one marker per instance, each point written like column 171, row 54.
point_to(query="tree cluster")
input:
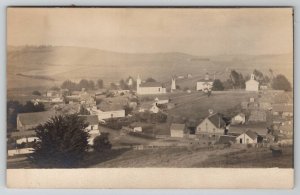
column 280, row 82
column 86, row 84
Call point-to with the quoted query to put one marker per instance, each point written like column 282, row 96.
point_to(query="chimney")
column 210, row 111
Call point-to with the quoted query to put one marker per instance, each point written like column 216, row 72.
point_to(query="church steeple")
column 138, row 82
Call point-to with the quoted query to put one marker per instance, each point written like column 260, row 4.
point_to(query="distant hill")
column 28, row 65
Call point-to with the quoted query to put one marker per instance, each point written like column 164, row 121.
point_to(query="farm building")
column 284, row 110
column 177, row 130
column 212, row 126
column 258, row 116
column 204, row 84
column 260, row 129
column 248, row 137
column 263, row 87
column 52, row 93
column 154, row 108
column 149, row 87
column 28, row 121
column 252, row 84
column 107, row 114
column 238, row 119
column 161, row 101
column 23, row 136
column 141, row 127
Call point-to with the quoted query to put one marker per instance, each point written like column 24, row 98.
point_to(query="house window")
column 241, row 140
column 158, row 89
column 92, row 127
column 112, row 115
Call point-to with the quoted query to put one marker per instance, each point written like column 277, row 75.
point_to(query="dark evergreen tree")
column 62, row 142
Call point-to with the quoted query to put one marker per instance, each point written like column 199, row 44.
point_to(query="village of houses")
column 152, row 115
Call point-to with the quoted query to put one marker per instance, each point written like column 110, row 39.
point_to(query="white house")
column 177, row 130
column 161, row 101
column 154, row 108
column 107, row 114
column 212, row 126
column 149, row 87
column 204, row 84
column 248, row 137
column 238, row 119
column 252, row 84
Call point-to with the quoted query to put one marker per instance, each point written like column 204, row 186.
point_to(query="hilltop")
column 30, row 66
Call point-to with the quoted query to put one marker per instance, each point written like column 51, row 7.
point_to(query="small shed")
column 177, row 130
column 248, row 137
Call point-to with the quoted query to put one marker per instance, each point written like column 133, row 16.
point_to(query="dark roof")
column 91, row 119
column 217, row 120
column 204, row 80
column 23, row 133
column 151, row 84
column 259, row 128
column 225, row 139
column 177, row 127
column 282, row 107
column 35, row 118
column 251, row 134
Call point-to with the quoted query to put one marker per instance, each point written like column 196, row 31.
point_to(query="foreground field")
column 181, row 158
column 184, row 157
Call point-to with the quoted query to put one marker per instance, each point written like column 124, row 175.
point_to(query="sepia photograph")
column 112, row 88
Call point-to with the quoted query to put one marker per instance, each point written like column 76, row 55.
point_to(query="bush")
column 101, row 143
column 37, row 93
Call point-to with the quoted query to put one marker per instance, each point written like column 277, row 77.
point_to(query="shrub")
column 37, row 93
column 101, row 143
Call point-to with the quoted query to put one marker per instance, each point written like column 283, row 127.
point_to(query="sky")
column 147, row 30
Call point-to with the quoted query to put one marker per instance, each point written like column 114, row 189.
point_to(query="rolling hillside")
column 50, row 65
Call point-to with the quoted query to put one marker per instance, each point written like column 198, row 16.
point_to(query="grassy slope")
column 76, row 63
column 183, row 157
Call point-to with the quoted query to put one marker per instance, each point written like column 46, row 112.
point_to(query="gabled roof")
column 151, row 84
column 35, row 118
column 217, row 120
column 91, row 119
column 259, row 128
column 282, row 107
column 251, row 134
column 177, row 127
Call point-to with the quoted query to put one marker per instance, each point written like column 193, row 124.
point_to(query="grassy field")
column 196, row 105
column 237, row 157
column 185, row 157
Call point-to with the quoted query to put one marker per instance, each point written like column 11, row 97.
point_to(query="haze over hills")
column 29, row 66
